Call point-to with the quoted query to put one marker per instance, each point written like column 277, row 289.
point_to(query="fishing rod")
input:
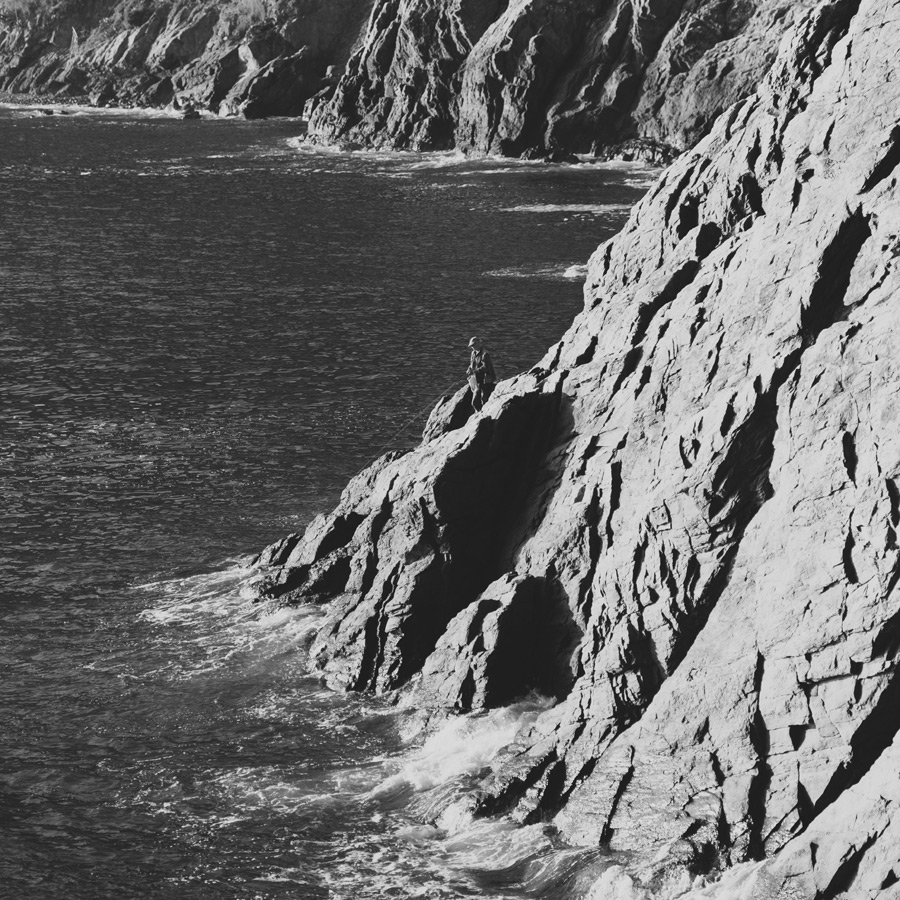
column 429, row 406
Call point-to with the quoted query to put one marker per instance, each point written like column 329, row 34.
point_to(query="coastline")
column 213, row 400
column 679, row 526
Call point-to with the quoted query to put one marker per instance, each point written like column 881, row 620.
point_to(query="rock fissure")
column 375, row 640
column 872, row 737
column 625, row 780
column 887, row 164
column 762, row 776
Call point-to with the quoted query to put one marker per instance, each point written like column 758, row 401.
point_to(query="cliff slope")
column 521, row 78
column 682, row 524
column 239, row 57
column 549, row 77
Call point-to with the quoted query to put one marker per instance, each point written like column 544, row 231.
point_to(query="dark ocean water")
column 204, row 332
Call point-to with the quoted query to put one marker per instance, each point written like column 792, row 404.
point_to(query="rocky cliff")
column 543, row 78
column 550, row 77
column 234, row 58
column 681, row 524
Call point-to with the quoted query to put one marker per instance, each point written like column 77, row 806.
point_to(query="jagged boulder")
column 449, row 413
column 511, row 640
column 413, row 543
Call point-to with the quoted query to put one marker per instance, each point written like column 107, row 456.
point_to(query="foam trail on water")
column 218, row 614
column 494, row 857
column 75, row 109
column 417, row 834
column 593, row 208
column 574, row 271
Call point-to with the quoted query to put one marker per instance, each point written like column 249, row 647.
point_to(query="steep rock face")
column 690, row 508
column 200, row 53
column 521, row 78
column 549, row 77
column 403, row 557
column 399, row 87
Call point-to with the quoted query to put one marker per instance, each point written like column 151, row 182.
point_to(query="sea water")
column 206, row 330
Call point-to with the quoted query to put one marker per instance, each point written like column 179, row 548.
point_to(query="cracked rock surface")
column 685, row 517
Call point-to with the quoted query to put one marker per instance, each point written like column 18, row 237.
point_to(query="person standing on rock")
column 480, row 373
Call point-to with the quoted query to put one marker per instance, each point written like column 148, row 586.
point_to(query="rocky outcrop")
column 686, row 514
column 549, row 77
column 228, row 58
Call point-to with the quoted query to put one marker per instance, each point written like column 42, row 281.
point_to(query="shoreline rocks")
column 682, row 525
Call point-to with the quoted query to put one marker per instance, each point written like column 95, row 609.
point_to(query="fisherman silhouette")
column 480, row 373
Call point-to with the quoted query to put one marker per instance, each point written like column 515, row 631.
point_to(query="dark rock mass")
column 681, row 525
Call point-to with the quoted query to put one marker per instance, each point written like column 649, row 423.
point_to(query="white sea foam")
column 592, row 208
column 185, row 600
column 573, row 271
column 71, row 109
column 219, row 615
column 578, row 272
column 251, row 788
column 467, row 744
column 452, row 854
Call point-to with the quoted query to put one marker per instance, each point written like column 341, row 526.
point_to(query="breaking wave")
column 573, row 272
column 348, row 796
column 370, row 804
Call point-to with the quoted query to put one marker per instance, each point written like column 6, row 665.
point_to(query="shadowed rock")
column 413, row 543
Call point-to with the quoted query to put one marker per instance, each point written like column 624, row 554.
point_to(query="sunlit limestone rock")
column 549, row 77
column 687, row 512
